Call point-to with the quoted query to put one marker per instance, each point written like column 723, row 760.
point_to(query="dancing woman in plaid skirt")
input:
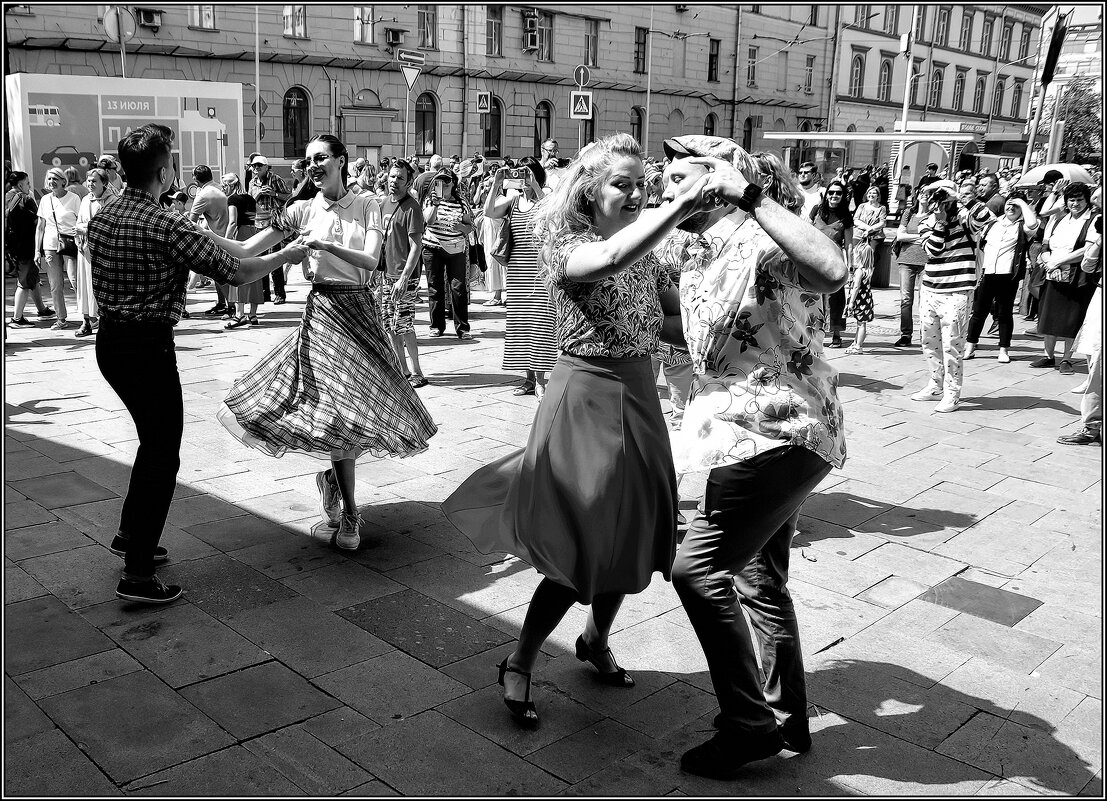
column 333, row 389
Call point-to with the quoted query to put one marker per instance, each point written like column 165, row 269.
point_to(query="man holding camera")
column 948, row 280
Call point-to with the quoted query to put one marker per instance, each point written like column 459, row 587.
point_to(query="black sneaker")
column 47, row 312
column 217, row 309
column 20, row 322
column 119, row 548
column 902, row 342
column 148, row 591
column 723, row 756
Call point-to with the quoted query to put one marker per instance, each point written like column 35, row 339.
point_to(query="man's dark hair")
column 202, row 173
column 404, row 165
column 141, row 150
column 536, row 168
column 807, row 165
column 1051, row 176
column 932, row 166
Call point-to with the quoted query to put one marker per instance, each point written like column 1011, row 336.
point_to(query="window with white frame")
column 428, row 27
column 494, row 31
column 941, row 33
column 363, row 24
column 202, row 17
column 295, row 21
column 857, row 75
column 861, row 14
column 808, row 75
column 710, row 123
column 965, row 40
column 751, row 67
column 997, row 98
column 916, row 79
column 978, row 95
column 637, row 115
column 891, row 19
column 1024, row 41
column 592, row 42
column 959, row 91
column 884, row 82
column 1005, row 40
column 545, row 36
column 986, row 35
column 1016, row 99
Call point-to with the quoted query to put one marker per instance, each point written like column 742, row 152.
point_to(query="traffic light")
column 1056, row 42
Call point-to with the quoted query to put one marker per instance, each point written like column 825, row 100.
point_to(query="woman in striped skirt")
column 333, row 389
column 530, row 341
column 445, row 254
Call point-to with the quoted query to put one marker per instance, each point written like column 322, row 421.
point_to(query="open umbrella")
column 1073, row 172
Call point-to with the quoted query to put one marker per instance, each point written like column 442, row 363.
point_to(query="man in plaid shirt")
column 141, row 255
column 269, row 193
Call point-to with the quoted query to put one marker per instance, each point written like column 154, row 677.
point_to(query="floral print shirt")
column 617, row 317
column 755, row 335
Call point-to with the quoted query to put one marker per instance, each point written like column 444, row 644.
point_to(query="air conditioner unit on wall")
column 530, row 40
column 394, row 36
column 530, row 21
column 148, row 17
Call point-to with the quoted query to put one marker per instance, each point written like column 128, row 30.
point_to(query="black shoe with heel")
column 523, row 711
column 616, row 678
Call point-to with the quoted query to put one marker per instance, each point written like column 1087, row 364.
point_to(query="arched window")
column 426, row 124
column 916, row 79
column 978, row 96
column 297, row 122
column 1016, row 100
column 747, row 134
column 849, row 146
column 637, row 116
column 709, row 124
column 937, row 78
column 543, row 125
column 959, row 91
column 876, row 148
column 493, row 129
column 884, row 83
column 857, row 75
column 997, row 99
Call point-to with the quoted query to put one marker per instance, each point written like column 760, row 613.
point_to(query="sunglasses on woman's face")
column 833, row 194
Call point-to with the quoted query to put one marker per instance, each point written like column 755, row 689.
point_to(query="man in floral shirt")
column 764, row 417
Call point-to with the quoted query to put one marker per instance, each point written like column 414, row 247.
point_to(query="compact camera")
column 517, row 172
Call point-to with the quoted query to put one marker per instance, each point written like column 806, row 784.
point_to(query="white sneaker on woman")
column 949, row 403
column 929, row 392
column 330, row 500
column 1003, row 357
column 1079, row 389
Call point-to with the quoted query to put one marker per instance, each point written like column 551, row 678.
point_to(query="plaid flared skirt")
column 591, row 501
column 333, row 389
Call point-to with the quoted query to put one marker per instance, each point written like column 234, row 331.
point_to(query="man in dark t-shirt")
column 401, row 257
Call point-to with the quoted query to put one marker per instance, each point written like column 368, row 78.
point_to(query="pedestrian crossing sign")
column 484, row 102
column 580, row 105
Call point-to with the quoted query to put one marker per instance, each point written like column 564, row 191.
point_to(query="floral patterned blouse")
column 755, row 335
column 617, row 317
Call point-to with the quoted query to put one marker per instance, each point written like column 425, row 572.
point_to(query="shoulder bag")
column 67, row 243
column 501, row 248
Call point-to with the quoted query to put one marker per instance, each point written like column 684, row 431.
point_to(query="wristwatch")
column 749, row 197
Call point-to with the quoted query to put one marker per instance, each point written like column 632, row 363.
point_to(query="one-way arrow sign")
column 580, row 105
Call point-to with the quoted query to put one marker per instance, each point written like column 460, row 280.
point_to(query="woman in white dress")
column 100, row 192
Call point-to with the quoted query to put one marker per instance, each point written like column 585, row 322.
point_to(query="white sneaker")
column 970, row 351
column 1079, row 389
column 330, row 500
column 929, row 392
column 949, row 403
column 347, row 538
column 1003, row 357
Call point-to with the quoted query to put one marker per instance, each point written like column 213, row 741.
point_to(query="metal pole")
column 649, row 75
column 995, row 74
column 407, row 124
column 1034, row 127
column 898, row 167
column 257, row 83
column 122, row 41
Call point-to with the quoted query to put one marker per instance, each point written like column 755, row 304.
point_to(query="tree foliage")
column 1081, row 109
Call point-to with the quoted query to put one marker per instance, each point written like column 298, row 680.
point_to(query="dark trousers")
column 139, row 362
column 441, row 267
column 278, row 282
column 741, row 535
column 909, row 275
column 1000, row 291
column 836, row 302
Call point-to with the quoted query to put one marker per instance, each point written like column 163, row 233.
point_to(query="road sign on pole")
column 410, row 74
column 484, row 102
column 412, row 57
column 580, row 105
column 119, row 24
column 581, row 75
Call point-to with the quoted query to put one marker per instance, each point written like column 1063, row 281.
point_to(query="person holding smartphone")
column 448, row 223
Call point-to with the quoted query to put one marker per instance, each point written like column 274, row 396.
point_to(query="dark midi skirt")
column 591, row 501
column 332, row 389
column 1062, row 308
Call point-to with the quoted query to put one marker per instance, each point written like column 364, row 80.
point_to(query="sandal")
column 493, row 302
column 524, row 389
column 254, row 320
column 523, row 711
column 616, row 678
column 235, row 322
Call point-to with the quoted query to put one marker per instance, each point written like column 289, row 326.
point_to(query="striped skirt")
column 591, row 502
column 332, row 389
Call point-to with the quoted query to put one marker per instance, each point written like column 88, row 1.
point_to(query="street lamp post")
column 992, row 108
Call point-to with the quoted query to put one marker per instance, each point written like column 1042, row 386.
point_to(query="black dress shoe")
column 523, row 711
column 277, row 301
column 216, row 310
column 902, row 342
column 119, row 548
column 1084, row 436
column 723, row 756
column 797, row 737
column 616, row 678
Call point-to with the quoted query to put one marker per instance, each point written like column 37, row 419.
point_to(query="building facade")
column 972, row 71
column 333, row 68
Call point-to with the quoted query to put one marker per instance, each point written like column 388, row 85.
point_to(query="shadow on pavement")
column 1017, row 403
column 866, row 383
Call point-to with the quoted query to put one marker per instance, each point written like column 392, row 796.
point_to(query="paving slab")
column 338, row 726
column 42, row 632
column 81, row 672
column 1000, row 606
column 22, row 717
column 232, row 772
column 342, row 584
column 49, row 765
column 994, row 642
column 18, row 586
column 305, row 761
column 40, row 540
column 222, row 586
column 79, row 577
column 433, row 755
column 110, row 717
column 62, row 489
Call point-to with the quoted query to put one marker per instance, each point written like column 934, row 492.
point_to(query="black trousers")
column 442, row 267
column 1000, row 291
column 139, row 362
column 837, row 303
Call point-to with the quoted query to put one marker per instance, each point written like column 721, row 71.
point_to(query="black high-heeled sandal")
column 616, row 678
column 523, row 711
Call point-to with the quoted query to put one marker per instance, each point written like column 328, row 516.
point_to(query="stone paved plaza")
column 948, row 583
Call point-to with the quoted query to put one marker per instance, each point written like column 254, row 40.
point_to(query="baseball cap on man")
column 445, row 174
column 700, row 145
column 259, row 159
column 106, row 162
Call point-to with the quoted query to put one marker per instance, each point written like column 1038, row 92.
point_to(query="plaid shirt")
column 267, row 205
column 141, row 255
